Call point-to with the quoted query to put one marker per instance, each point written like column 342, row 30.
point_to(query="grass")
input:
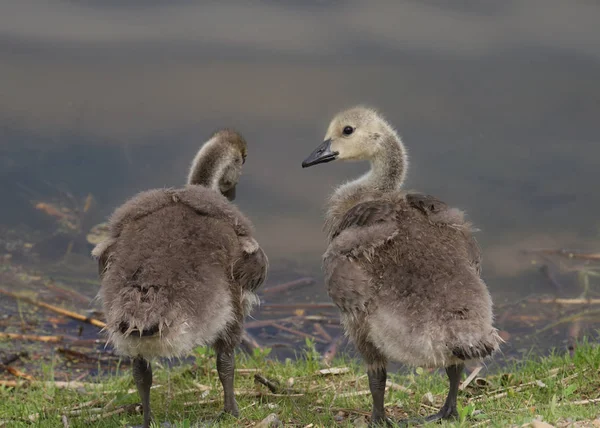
column 558, row 388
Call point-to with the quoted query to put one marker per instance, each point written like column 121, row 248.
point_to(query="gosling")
column 180, row 269
column 403, row 268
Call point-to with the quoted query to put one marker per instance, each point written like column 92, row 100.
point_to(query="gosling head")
column 218, row 164
column 355, row 134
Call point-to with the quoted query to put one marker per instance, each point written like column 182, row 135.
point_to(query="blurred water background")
column 497, row 102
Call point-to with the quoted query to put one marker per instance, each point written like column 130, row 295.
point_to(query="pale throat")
column 209, row 168
column 388, row 167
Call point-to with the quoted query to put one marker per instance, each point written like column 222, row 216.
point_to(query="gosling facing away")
column 403, row 268
column 180, row 269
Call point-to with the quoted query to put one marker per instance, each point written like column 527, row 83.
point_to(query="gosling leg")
column 226, row 370
column 142, row 375
column 448, row 410
column 377, row 379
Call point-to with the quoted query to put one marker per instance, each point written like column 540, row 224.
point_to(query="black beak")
column 230, row 194
column 321, row 154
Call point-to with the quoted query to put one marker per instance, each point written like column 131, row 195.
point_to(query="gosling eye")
column 348, row 130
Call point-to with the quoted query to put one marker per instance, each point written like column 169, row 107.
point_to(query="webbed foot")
column 446, row 412
column 381, row 421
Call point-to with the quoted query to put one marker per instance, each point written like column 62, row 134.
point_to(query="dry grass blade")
column 128, row 408
column 354, row 394
column 470, row 378
column 580, row 402
column 397, row 387
column 333, row 371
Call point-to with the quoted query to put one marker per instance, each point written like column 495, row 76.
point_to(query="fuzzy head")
column 218, row 164
column 355, row 134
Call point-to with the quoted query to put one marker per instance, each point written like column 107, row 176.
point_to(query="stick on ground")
column 56, row 309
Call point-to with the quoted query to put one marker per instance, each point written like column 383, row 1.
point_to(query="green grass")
column 556, row 388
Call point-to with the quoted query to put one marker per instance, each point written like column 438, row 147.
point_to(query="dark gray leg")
column 448, row 410
column 377, row 379
column 142, row 375
column 226, row 370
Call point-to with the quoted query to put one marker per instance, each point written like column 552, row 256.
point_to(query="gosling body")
column 403, row 268
column 181, row 267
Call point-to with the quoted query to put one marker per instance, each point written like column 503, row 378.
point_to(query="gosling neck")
column 208, row 166
column 388, row 166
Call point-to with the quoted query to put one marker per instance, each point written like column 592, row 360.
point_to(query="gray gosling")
column 403, row 268
column 180, row 269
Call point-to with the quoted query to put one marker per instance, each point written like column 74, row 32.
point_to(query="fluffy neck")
column 388, row 169
column 208, row 166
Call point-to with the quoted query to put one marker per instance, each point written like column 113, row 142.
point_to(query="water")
column 498, row 105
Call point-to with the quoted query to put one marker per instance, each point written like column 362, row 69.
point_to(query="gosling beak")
column 321, row 154
column 230, row 194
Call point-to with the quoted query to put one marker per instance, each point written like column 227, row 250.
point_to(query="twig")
column 50, row 384
column 470, row 378
column 76, row 354
column 263, row 323
column 33, row 337
column 68, row 292
column 55, row 309
column 332, row 322
column 298, row 332
column 572, row 254
column 568, row 301
column 240, row 371
column 65, row 421
column 580, row 402
column 397, row 387
column 273, row 387
column 302, row 282
column 82, row 405
column 127, row 408
column 319, row 328
column 501, row 392
column 568, row 319
column 333, row 371
column 355, row 393
column 345, row 410
column 16, row 372
column 249, row 341
column 331, row 350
